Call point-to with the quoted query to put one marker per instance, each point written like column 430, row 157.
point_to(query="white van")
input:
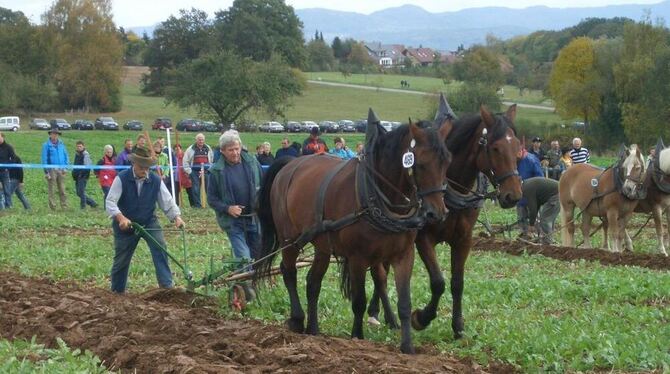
column 10, row 123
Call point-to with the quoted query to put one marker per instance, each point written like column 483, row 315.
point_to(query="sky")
column 132, row 13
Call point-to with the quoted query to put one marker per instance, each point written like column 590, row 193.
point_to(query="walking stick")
column 203, row 188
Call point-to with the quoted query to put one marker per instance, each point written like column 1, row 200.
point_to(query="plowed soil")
column 651, row 261
column 161, row 332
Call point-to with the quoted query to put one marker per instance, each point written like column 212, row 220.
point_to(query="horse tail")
column 345, row 277
column 269, row 242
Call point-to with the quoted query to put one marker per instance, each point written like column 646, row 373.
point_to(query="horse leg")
column 657, row 211
column 314, row 278
column 625, row 240
column 380, row 277
column 421, row 318
column 606, row 241
column 296, row 322
column 403, row 273
column 357, row 272
column 586, row 229
column 459, row 254
column 613, row 220
column 567, row 224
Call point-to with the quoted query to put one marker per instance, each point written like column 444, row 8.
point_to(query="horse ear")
column 444, row 111
column 487, row 117
column 445, row 129
column 511, row 113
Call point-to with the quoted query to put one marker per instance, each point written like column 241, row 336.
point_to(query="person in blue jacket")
column 528, row 166
column 54, row 153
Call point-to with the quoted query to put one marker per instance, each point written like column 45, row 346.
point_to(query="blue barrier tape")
column 79, row 167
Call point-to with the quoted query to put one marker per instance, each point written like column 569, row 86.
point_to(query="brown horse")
column 611, row 194
column 483, row 143
column 657, row 201
column 364, row 211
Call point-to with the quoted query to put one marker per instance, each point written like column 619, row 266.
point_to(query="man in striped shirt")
column 578, row 153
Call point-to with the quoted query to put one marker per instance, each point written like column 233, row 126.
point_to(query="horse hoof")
column 295, row 325
column 372, row 321
column 392, row 324
column 407, row 349
column 458, row 335
column 418, row 326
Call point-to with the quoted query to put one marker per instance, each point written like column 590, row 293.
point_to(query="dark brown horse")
column 483, row 143
column 364, row 211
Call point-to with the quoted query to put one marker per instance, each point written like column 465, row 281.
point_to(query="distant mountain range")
column 413, row 26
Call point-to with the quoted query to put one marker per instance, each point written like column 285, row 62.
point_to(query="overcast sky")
column 130, row 13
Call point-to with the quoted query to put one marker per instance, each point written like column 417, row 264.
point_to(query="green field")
column 533, row 312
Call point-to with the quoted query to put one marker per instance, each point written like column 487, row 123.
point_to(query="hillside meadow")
column 533, row 312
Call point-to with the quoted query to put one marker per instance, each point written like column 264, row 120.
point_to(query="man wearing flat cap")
column 536, row 149
column 132, row 198
column 314, row 145
column 54, row 153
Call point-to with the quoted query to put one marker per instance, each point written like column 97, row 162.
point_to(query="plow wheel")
column 237, row 298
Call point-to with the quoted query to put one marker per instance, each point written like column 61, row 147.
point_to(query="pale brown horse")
column 610, row 194
column 317, row 199
column 657, row 200
column 480, row 143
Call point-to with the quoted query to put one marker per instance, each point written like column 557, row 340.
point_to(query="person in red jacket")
column 314, row 145
column 106, row 176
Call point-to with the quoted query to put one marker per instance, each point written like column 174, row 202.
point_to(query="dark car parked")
column 106, row 123
column 361, row 125
column 133, row 125
column 292, row 126
column 189, row 125
column 39, row 124
column 212, row 127
column 329, row 126
column 347, row 125
column 60, row 123
column 162, row 123
column 82, row 124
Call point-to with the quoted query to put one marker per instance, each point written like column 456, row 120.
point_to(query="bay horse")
column 479, row 143
column 364, row 211
column 657, row 200
column 611, row 194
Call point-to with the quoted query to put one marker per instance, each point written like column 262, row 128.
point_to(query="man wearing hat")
column 54, row 153
column 132, row 198
column 536, row 149
column 314, row 145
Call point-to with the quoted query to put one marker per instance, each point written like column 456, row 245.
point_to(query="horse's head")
column 632, row 168
column 431, row 160
column 497, row 154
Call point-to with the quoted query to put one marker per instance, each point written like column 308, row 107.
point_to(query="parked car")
column 271, row 126
column 134, row 125
column 395, row 125
column 386, row 125
column 293, row 126
column 162, row 123
column 12, row 123
column 329, row 126
column 39, row 124
column 106, row 123
column 189, row 124
column 307, row 125
column 362, row 125
column 60, row 123
column 212, row 127
column 346, row 125
column 82, row 124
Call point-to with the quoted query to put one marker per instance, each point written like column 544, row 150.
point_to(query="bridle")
column 496, row 180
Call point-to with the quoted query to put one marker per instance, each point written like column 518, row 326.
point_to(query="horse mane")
column 664, row 160
column 465, row 127
column 388, row 144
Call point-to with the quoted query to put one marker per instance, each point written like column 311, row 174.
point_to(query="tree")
column 224, row 86
column 260, row 29
column 574, row 84
column 176, row 40
column 479, row 65
column 320, row 56
column 470, row 96
column 89, row 54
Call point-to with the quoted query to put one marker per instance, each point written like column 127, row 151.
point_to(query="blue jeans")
column 244, row 237
column 14, row 189
column 125, row 243
column 196, row 188
column 80, row 186
column 6, row 198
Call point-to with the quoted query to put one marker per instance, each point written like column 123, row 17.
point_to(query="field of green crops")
column 533, row 312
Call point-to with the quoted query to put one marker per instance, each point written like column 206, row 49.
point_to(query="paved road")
column 397, row 90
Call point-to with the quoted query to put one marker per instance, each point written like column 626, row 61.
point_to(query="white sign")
column 408, row 160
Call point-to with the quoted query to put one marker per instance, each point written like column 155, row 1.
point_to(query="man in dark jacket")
column 287, row 150
column 541, row 195
column 132, row 199
column 7, row 156
column 234, row 181
column 80, row 176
